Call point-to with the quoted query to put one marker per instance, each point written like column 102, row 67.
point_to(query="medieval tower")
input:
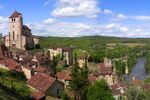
column 20, row 35
column 15, row 30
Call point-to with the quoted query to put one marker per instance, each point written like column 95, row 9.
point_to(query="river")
column 138, row 70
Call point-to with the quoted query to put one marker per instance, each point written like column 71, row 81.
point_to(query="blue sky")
column 69, row 18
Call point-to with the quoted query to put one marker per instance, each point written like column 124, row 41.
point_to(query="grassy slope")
column 88, row 41
column 6, row 96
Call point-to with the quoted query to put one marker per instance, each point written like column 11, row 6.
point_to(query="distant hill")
column 87, row 42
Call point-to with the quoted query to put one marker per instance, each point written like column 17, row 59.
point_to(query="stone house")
column 5, row 52
column 43, row 85
column 105, row 71
column 118, row 90
column 63, row 53
column 64, row 77
column 82, row 60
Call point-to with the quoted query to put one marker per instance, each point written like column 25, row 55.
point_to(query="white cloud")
column 50, row 21
column 3, row 25
column 47, row 2
column 138, row 17
column 142, row 18
column 71, row 8
column 69, row 29
column 107, row 11
column 121, row 16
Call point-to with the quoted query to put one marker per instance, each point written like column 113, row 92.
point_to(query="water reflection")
column 138, row 70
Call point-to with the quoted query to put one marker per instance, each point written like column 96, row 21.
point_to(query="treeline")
column 147, row 66
column 88, row 42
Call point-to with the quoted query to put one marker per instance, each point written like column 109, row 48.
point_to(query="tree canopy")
column 99, row 91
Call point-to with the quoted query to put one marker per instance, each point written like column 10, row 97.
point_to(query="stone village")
column 41, row 78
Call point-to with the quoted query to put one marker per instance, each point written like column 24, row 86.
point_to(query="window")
column 12, row 20
column 13, row 35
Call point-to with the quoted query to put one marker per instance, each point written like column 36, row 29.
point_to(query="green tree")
column 120, row 67
column 54, row 65
column 64, row 96
column 99, row 91
column 37, row 46
column 79, row 81
column 135, row 93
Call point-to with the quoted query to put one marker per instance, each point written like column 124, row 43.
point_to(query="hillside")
column 87, row 42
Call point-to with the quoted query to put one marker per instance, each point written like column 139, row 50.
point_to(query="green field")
column 88, row 42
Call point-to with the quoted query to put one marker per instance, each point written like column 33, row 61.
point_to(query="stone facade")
column 64, row 53
column 20, row 35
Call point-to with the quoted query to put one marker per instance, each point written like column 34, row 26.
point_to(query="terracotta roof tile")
column 136, row 82
column 10, row 63
column 15, row 14
column 119, row 88
column 41, row 82
column 63, row 75
column 40, row 69
column 105, row 70
column 92, row 78
column 146, row 87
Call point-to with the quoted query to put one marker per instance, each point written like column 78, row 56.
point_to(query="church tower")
column 15, row 30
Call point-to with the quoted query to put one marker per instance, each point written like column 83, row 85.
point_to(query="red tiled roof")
column 37, row 95
column 10, row 63
column 41, row 82
column 15, row 14
column 146, row 87
column 63, row 75
column 136, row 82
column 40, row 69
column 118, row 85
column 104, row 70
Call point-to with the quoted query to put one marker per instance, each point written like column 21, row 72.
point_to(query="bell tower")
column 15, row 30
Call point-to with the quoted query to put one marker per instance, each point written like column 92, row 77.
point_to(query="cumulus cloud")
column 142, row 18
column 47, row 2
column 71, row 8
column 50, row 21
column 121, row 16
column 69, row 29
column 107, row 11
column 3, row 25
column 138, row 17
